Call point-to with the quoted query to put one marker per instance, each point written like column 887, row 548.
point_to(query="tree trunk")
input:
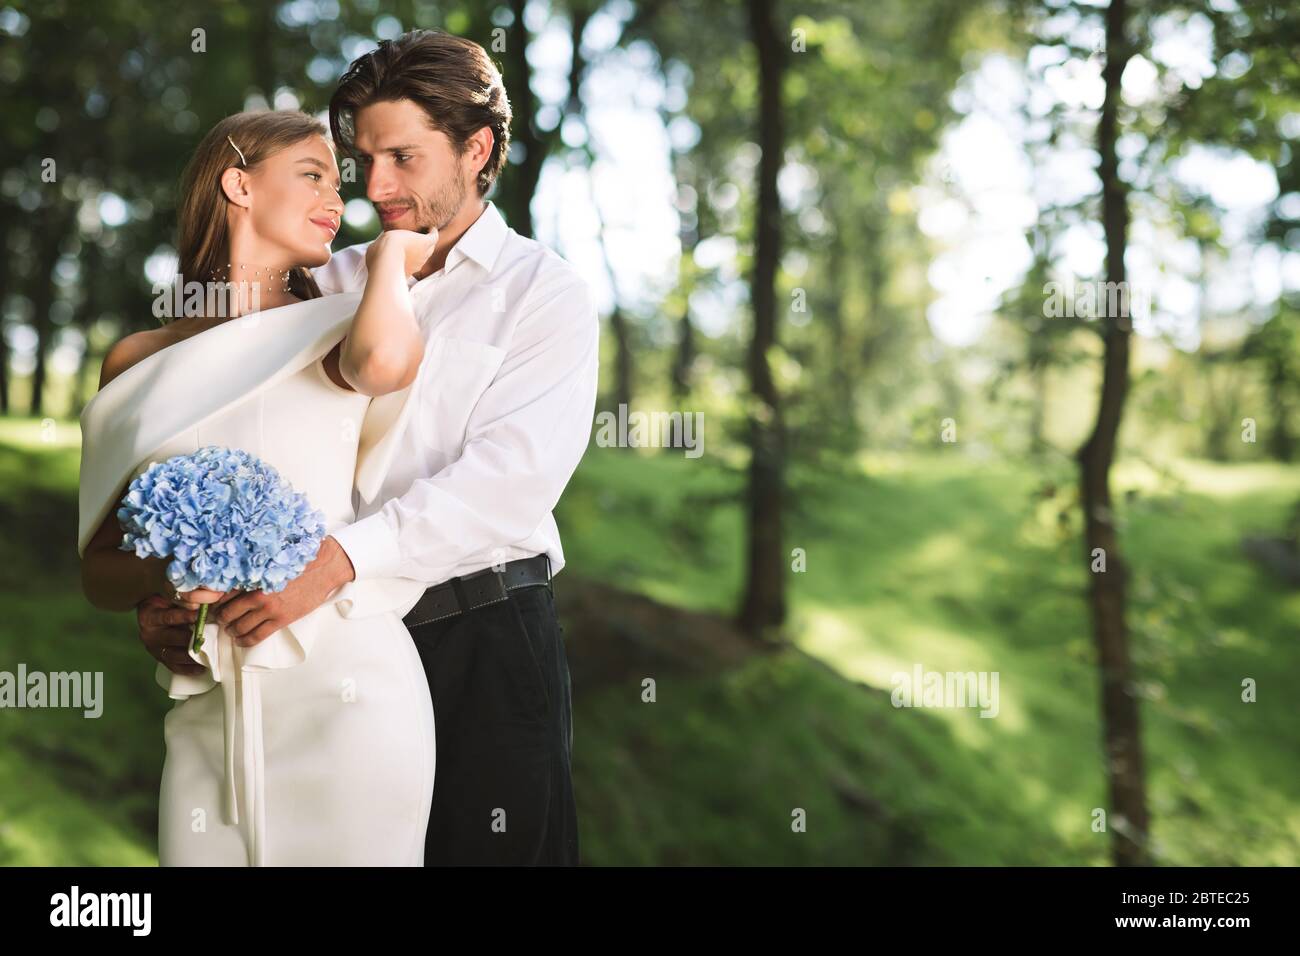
column 1128, row 820
column 1038, row 414
column 518, row 182
column 88, row 309
column 687, row 349
column 763, row 609
column 843, row 350
column 265, row 36
column 47, row 256
column 6, row 265
column 684, row 355
column 618, row 324
column 1281, row 443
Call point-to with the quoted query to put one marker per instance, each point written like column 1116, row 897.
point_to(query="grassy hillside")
column 961, row 567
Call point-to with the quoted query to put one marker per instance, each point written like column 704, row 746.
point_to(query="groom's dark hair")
column 452, row 79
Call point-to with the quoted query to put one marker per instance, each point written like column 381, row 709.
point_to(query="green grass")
column 957, row 565
column 73, row 790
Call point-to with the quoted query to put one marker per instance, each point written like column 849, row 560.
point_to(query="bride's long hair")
column 203, row 240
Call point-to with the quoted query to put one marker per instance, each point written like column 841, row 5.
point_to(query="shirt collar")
column 481, row 242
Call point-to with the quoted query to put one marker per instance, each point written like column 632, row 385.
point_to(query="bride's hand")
column 414, row 248
column 192, row 599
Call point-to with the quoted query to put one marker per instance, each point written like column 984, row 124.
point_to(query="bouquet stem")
column 196, row 639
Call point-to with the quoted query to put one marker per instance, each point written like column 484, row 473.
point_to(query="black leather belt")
column 478, row 589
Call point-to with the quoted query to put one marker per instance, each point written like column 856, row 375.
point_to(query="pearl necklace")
column 244, row 274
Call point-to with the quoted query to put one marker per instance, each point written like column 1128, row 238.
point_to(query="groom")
column 505, row 400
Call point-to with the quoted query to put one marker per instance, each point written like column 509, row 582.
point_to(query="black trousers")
column 503, row 715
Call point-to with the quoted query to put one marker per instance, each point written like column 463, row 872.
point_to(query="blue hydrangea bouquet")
column 227, row 519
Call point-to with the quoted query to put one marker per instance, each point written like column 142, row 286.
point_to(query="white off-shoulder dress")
column 316, row 746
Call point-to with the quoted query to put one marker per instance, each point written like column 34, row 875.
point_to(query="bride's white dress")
column 316, row 746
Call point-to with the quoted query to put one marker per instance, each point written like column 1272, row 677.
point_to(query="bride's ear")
column 234, row 183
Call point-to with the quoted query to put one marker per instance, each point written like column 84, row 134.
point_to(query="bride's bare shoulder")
column 131, row 349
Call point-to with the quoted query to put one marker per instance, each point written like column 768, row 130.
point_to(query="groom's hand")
column 165, row 632
column 253, row 616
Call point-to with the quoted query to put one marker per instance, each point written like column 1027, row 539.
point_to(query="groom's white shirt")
column 505, row 402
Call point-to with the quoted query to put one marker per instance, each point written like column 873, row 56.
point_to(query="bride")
column 313, row 745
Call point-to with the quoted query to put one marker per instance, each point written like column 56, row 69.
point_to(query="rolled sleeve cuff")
column 371, row 546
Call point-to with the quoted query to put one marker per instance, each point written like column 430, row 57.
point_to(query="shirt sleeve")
column 524, row 440
column 345, row 272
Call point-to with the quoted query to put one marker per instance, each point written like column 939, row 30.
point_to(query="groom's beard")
column 436, row 211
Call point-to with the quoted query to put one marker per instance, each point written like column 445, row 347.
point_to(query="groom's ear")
column 479, row 148
column 234, row 183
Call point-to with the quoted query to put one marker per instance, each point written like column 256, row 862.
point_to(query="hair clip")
column 238, row 150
